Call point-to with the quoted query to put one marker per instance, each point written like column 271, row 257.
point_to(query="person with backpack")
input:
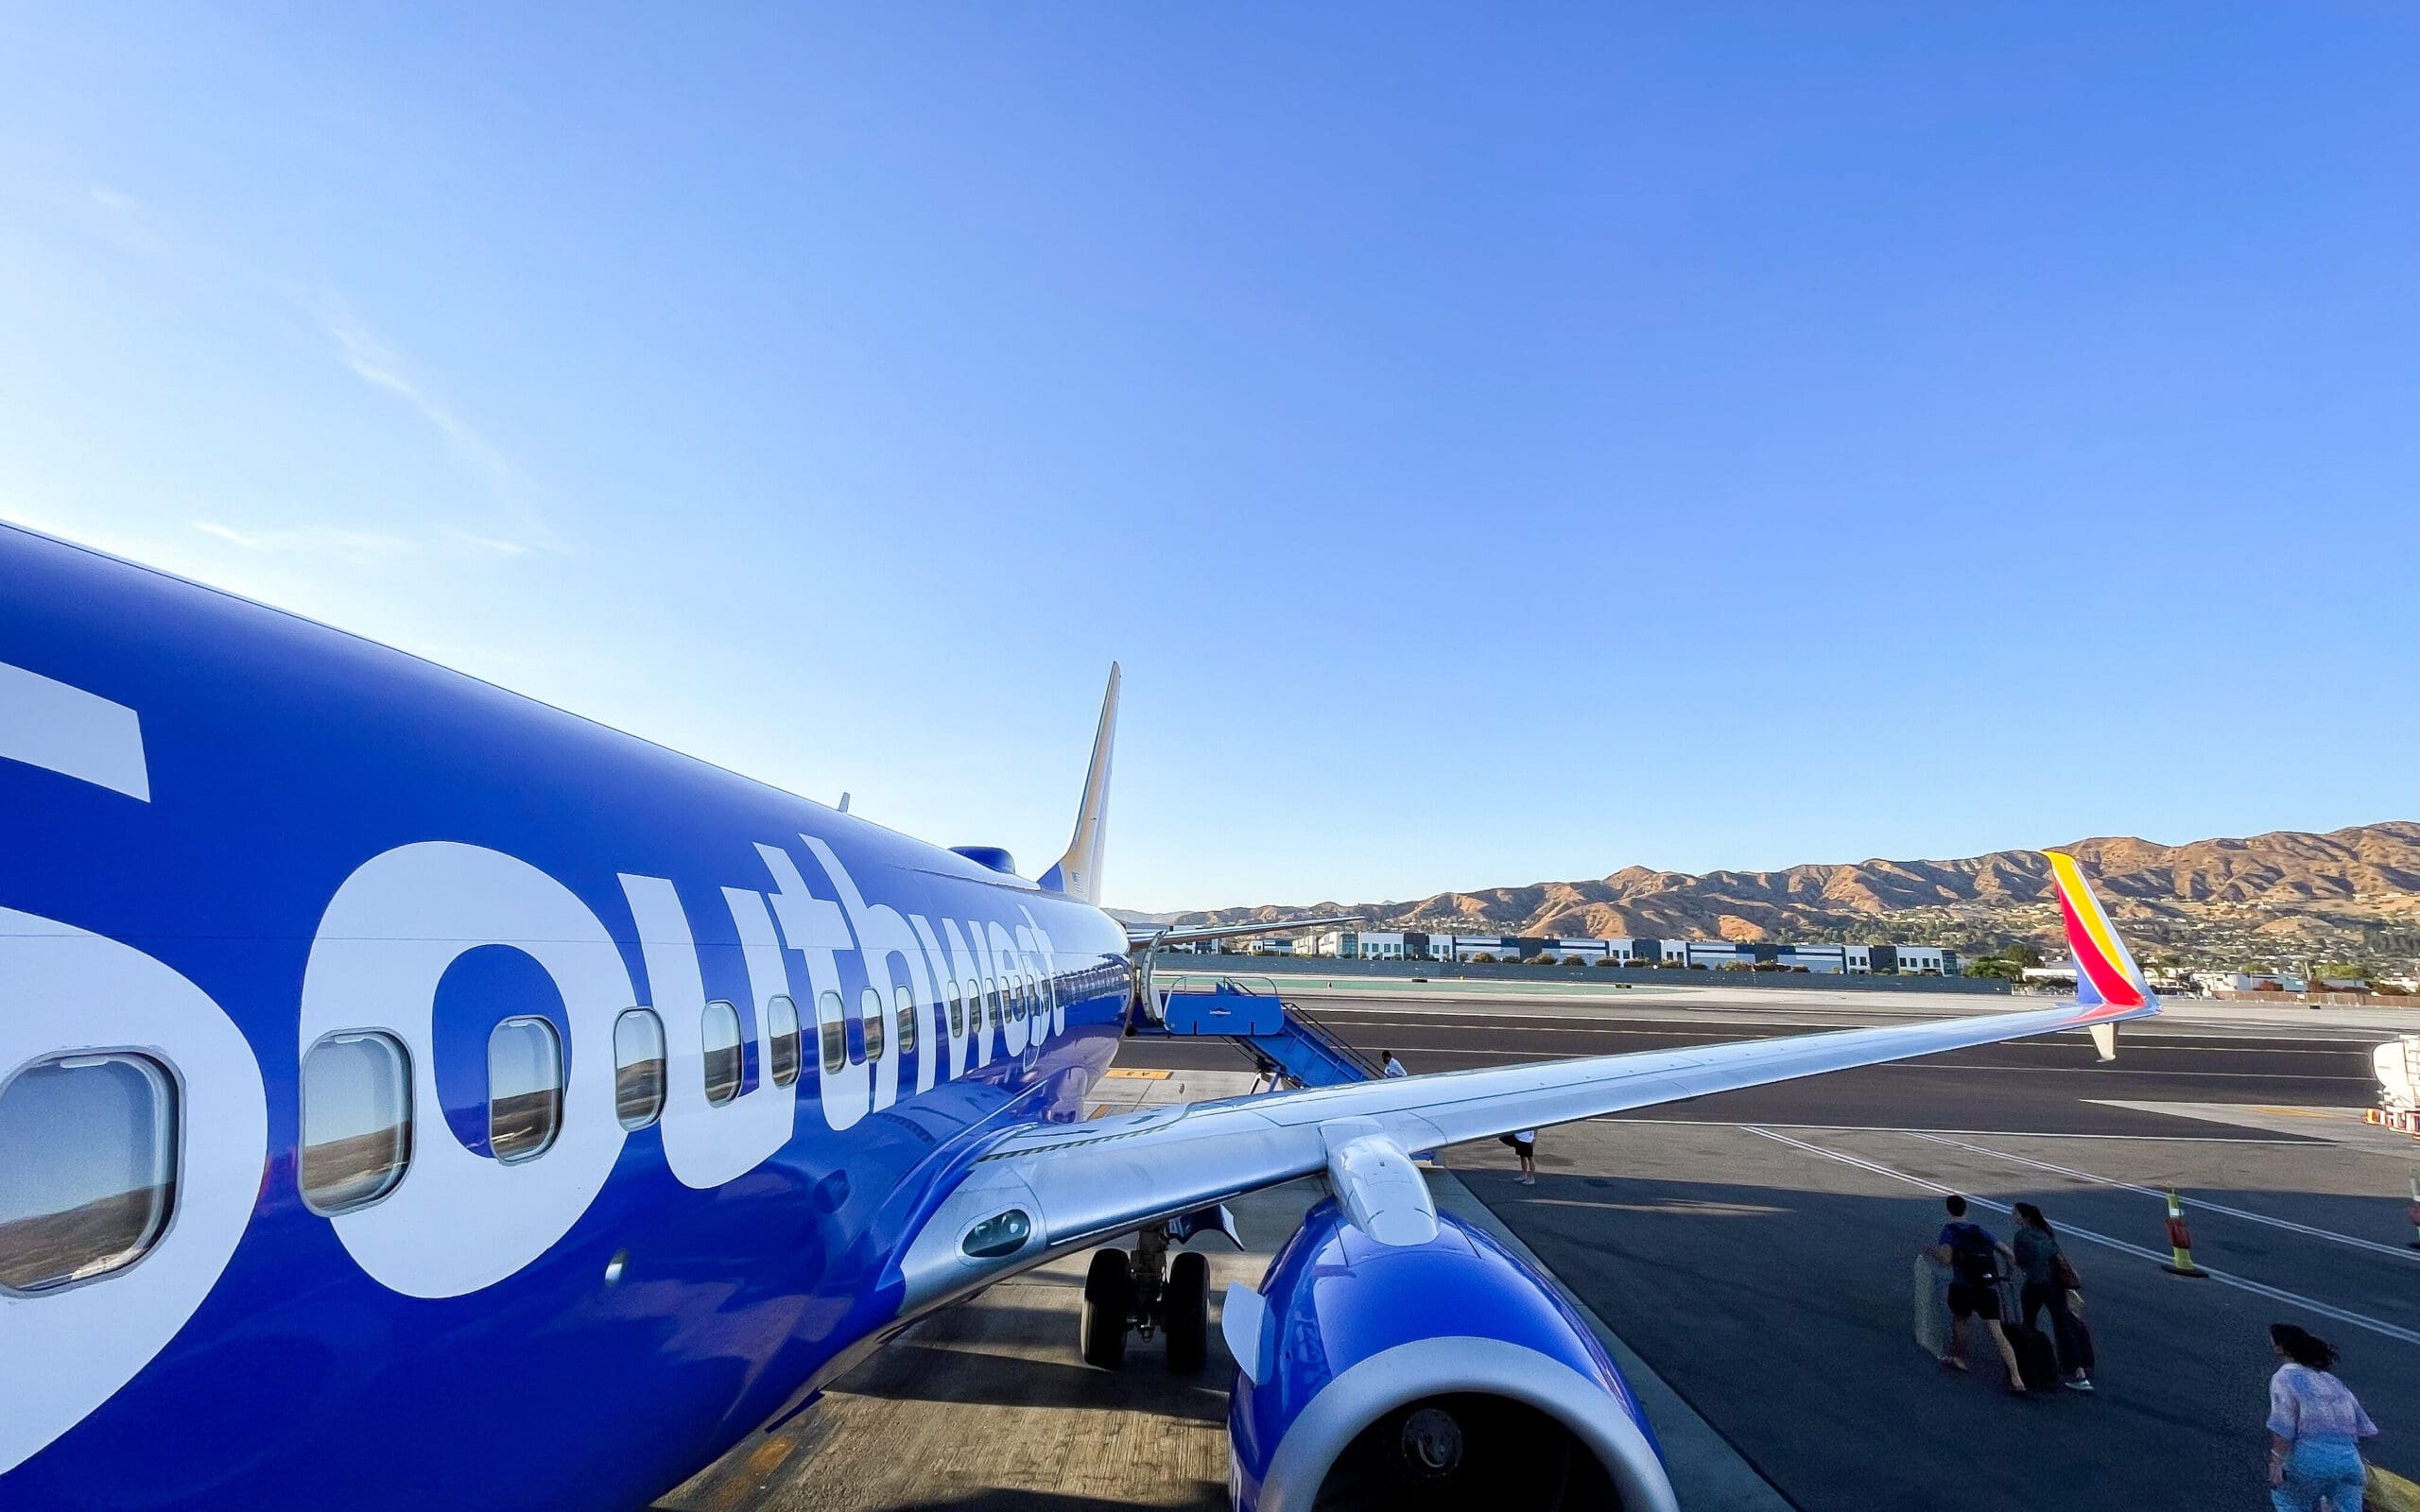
column 2048, row 1280
column 2315, row 1428
column 1973, row 1259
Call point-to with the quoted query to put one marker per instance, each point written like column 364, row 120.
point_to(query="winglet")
column 1077, row 872
column 2105, row 973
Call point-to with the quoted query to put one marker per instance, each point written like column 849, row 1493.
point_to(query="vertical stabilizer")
column 1077, row 872
column 2105, row 972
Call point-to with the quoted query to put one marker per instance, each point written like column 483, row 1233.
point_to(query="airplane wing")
column 1062, row 1187
column 1144, row 936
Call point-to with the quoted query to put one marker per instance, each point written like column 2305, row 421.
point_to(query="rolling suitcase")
column 2075, row 1342
column 1932, row 1307
column 2037, row 1364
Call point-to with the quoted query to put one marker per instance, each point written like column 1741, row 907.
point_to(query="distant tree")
column 1610, row 960
column 1482, row 958
column 2022, row 953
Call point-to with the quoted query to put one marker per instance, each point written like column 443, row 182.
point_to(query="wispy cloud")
column 122, row 220
column 377, row 363
column 352, row 546
column 496, row 544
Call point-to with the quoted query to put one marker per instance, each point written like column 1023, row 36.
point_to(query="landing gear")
column 1185, row 1306
column 1146, row 1292
column 1109, row 1307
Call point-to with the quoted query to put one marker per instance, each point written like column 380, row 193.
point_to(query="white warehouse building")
column 1708, row 954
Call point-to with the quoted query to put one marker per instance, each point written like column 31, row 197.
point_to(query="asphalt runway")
column 2054, row 1083
column 1754, row 1248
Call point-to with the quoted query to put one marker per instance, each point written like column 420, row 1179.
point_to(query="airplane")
column 416, row 1096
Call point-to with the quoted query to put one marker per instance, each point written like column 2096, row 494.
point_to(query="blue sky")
column 1500, row 446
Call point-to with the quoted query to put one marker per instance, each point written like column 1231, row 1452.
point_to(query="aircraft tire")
column 1109, row 1310
column 1188, row 1306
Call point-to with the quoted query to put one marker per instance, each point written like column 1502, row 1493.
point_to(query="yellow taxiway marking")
column 1124, row 1073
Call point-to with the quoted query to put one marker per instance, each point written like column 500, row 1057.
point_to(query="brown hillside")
column 2353, row 891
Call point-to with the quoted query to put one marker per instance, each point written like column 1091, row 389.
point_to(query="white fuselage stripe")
column 47, row 723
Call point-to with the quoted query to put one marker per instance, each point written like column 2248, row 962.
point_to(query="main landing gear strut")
column 1146, row 1291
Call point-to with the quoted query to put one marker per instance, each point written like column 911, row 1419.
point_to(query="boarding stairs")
column 1285, row 1044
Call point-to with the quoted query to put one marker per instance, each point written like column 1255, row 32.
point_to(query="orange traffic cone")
column 2180, row 1238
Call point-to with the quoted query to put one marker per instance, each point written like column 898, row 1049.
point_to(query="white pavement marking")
column 2241, row 1284
column 2204, row 1204
column 1533, row 1024
column 2000, row 1133
column 2086, row 1068
column 48, row 723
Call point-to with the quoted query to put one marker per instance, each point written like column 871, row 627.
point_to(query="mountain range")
column 2347, row 894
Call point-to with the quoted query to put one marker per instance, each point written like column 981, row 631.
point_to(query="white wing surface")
column 1143, row 936
column 1076, row 1184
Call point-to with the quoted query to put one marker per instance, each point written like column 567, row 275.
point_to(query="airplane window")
column 833, row 1032
column 89, row 1145
column 784, row 1014
column 907, row 1016
column 991, row 1001
column 638, row 1068
column 720, row 1035
column 957, row 1013
column 356, row 1120
column 525, row 1089
column 870, row 1008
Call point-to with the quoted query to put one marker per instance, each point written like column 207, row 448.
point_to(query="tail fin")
column 1077, row 872
column 2105, row 973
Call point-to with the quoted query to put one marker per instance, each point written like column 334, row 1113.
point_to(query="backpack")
column 1971, row 1255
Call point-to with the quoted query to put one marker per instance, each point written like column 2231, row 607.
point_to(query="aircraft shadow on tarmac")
column 1784, row 1316
column 911, row 1370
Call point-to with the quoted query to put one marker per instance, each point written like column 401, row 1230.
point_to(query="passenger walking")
column 1390, row 1065
column 2315, row 1428
column 1973, row 1259
column 2049, row 1279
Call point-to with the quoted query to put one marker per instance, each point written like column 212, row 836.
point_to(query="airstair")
column 1286, row 1045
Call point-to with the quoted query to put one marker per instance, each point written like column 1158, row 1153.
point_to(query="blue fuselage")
column 330, row 839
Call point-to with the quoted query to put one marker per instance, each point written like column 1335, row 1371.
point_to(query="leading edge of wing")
column 1151, row 936
column 1078, row 1183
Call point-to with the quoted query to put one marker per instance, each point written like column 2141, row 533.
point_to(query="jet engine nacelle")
column 1442, row 1374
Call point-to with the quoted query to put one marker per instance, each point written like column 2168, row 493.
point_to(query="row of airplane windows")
column 90, row 1142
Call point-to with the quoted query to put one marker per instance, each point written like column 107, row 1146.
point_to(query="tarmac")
column 1747, row 1257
